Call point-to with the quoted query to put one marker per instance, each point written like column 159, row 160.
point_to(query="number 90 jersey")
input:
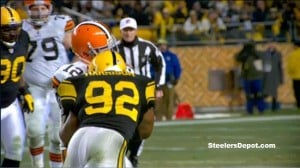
column 12, row 68
column 47, row 52
column 114, row 100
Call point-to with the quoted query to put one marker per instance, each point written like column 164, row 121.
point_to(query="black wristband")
column 24, row 90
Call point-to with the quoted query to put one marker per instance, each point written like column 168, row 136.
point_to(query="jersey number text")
column 106, row 99
column 49, row 47
column 12, row 70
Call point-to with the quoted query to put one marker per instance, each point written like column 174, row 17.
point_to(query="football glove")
column 27, row 100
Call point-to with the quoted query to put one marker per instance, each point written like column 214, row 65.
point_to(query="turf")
column 184, row 144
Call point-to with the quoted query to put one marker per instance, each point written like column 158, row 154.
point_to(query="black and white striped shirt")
column 140, row 55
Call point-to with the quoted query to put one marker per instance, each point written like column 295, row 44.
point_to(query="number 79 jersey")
column 47, row 52
column 114, row 100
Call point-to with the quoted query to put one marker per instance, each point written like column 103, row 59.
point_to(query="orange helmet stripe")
column 70, row 25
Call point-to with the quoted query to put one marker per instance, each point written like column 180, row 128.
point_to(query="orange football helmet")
column 90, row 38
column 38, row 16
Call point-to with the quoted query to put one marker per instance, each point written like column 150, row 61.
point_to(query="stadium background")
column 209, row 78
column 184, row 143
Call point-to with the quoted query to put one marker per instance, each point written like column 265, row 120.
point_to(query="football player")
column 105, row 105
column 14, row 46
column 49, row 38
column 88, row 38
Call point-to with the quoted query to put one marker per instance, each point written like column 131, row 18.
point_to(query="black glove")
column 27, row 100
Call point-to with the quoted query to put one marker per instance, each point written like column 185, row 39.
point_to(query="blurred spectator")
column 165, row 26
column 297, row 20
column 192, row 27
column 246, row 17
column 119, row 15
column 68, row 3
column 181, row 12
column 199, row 10
column 203, row 3
column 215, row 26
column 221, row 7
column 87, row 9
column 274, row 16
column 261, row 12
column 106, row 10
column 170, row 6
column 152, row 10
column 293, row 69
column 251, row 73
column 273, row 73
column 287, row 18
column 165, row 106
column 20, row 8
column 126, row 6
column 232, row 13
column 140, row 15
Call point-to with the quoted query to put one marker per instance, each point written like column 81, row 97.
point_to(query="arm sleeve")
column 159, row 66
column 70, row 24
column 150, row 94
column 67, row 95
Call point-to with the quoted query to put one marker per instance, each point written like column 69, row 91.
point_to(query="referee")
column 140, row 55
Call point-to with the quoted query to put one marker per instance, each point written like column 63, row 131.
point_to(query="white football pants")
column 96, row 147
column 13, row 132
column 46, row 112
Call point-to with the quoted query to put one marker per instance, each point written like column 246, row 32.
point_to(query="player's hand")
column 26, row 99
column 28, row 104
column 159, row 93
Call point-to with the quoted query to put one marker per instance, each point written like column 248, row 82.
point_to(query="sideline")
column 226, row 120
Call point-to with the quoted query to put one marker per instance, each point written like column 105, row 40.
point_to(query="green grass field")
column 184, row 144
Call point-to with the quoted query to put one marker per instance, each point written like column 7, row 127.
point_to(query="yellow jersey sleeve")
column 150, row 91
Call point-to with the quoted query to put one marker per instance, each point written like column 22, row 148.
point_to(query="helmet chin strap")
column 9, row 44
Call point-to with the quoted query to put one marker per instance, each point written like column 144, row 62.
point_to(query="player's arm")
column 68, row 32
column 67, row 97
column 60, row 75
column 68, row 129
column 159, row 65
column 146, row 125
column 65, row 72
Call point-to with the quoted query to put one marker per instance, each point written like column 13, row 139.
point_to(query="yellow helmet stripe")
column 11, row 14
column 114, row 58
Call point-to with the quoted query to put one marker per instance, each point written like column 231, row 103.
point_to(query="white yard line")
column 227, row 120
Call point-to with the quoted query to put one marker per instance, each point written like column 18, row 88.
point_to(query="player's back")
column 110, row 99
column 47, row 52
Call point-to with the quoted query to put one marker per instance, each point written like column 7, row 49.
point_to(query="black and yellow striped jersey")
column 13, row 62
column 115, row 100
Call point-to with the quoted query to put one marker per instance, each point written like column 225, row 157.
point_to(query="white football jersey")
column 47, row 52
column 68, row 70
